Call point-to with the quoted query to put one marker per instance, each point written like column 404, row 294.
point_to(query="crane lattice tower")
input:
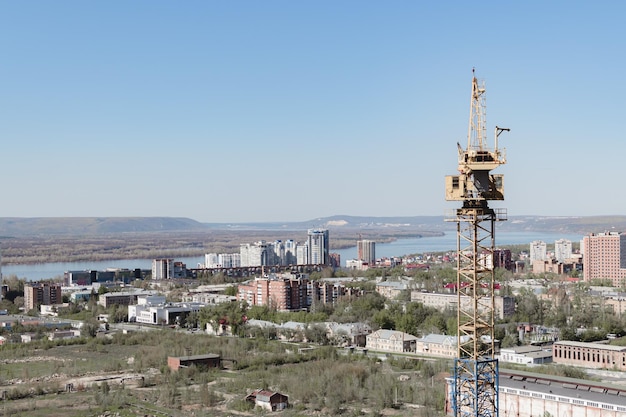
column 475, row 389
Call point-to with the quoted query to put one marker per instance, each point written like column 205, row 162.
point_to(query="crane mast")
column 475, row 389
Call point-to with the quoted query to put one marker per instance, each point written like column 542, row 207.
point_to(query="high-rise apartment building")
column 302, row 254
column 222, row 260
column 293, row 293
column 538, row 251
column 562, row 250
column 318, row 246
column 36, row 294
column 229, row 260
column 162, row 268
column 211, row 260
column 604, row 257
column 366, row 251
column 283, row 294
column 290, row 253
column 502, row 259
column 256, row 254
column 278, row 249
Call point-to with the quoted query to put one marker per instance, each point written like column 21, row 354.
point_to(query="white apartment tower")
column 290, row 253
column 318, row 244
column 211, row 260
column 222, row 260
column 256, row 254
column 229, row 260
column 562, row 250
column 162, row 268
column 302, row 254
column 538, row 251
column 278, row 248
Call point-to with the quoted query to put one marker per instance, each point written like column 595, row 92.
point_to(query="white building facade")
column 538, row 251
column 562, row 250
column 318, row 246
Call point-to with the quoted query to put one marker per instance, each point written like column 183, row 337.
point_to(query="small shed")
column 209, row 360
column 268, row 400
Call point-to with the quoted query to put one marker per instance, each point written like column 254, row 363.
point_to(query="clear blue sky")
column 231, row 111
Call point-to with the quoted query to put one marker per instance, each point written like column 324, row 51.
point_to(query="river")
column 447, row 242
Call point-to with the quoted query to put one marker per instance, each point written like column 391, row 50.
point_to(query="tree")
column 384, row 319
column 231, row 290
column 14, row 283
column 528, row 307
column 510, row 340
column 316, row 334
column 90, row 328
column 407, row 323
column 9, row 306
column 226, row 314
column 568, row 333
column 19, row 302
column 118, row 313
column 192, row 320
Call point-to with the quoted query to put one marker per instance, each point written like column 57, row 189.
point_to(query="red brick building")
column 604, row 257
column 290, row 294
column 36, row 294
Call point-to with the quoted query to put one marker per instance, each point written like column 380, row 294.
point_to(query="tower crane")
column 475, row 388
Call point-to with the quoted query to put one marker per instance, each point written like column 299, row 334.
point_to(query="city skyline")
column 108, row 108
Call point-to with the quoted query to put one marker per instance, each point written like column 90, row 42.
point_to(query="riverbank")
column 40, row 250
column 398, row 247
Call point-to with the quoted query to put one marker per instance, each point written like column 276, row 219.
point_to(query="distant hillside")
column 582, row 225
column 345, row 222
column 89, row 226
column 568, row 225
column 83, row 226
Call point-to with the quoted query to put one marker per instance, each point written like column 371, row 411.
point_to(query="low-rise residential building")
column 268, row 400
column 537, row 334
column 354, row 334
column 526, row 355
column 504, row 306
column 124, row 298
column 391, row 289
column 438, row 345
column 357, row 264
column 391, row 341
column 208, row 298
column 80, row 296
